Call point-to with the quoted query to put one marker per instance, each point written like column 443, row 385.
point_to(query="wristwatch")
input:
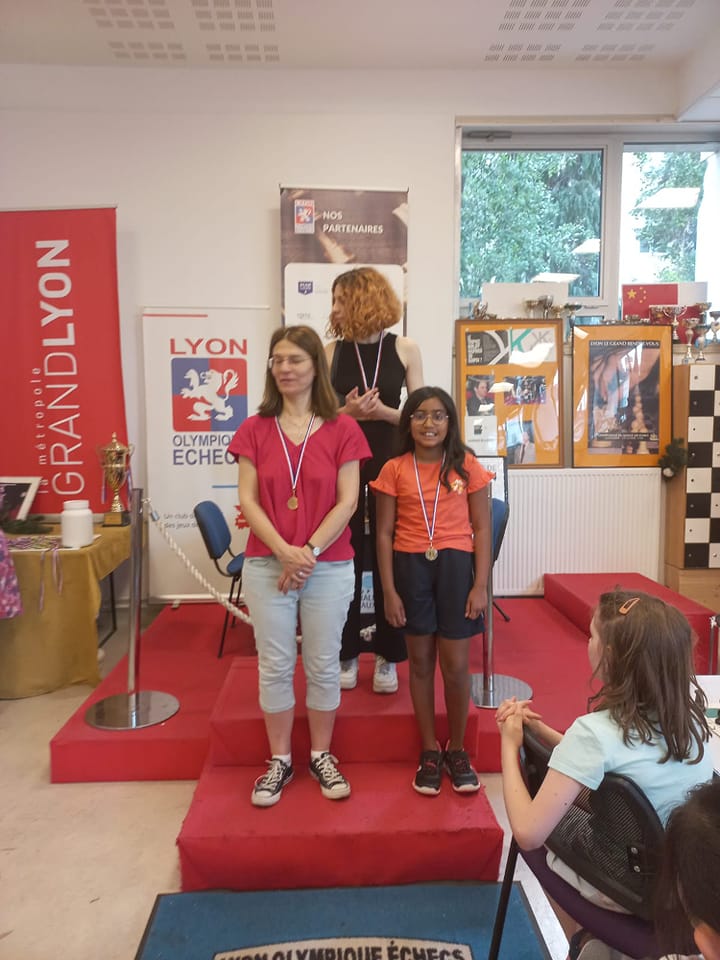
column 316, row 551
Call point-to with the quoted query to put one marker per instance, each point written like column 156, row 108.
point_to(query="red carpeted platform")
column 384, row 833
column 178, row 655
column 575, row 596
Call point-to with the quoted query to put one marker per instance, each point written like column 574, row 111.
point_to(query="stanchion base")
column 501, row 688
column 130, row 711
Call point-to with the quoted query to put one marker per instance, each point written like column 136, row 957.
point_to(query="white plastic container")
column 76, row 524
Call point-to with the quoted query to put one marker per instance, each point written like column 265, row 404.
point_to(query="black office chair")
column 613, row 838
column 500, row 515
column 217, row 537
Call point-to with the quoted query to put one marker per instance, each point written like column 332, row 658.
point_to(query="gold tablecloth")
column 43, row 650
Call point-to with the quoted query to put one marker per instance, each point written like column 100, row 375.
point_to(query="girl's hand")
column 394, row 610
column 287, row 582
column 476, row 602
column 511, row 729
column 509, row 707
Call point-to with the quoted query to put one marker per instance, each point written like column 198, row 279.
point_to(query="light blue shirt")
column 593, row 746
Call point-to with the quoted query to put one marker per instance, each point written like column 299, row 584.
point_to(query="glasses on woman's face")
column 293, row 361
column 420, row 416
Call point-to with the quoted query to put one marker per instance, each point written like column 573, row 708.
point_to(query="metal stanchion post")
column 488, row 689
column 136, row 708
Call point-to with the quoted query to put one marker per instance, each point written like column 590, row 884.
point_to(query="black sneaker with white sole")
column 461, row 772
column 268, row 788
column 428, row 775
column 333, row 784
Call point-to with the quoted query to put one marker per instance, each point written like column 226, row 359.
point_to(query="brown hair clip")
column 626, row 607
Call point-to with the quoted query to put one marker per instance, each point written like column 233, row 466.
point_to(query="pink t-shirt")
column 453, row 529
column 337, row 442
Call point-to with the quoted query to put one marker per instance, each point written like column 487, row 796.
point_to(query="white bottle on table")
column 76, row 524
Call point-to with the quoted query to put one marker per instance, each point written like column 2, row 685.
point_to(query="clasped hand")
column 364, row 406
column 511, row 716
column 297, row 565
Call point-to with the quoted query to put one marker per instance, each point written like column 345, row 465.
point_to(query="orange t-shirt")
column 453, row 529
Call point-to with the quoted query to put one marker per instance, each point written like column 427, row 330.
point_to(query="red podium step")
column 384, row 833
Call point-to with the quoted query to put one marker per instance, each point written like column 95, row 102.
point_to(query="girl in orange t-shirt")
column 433, row 546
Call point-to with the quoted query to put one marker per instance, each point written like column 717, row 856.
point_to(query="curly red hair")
column 369, row 305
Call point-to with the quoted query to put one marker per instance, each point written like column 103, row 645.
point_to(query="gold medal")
column 431, row 553
column 292, row 502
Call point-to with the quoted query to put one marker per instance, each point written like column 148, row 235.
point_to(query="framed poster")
column 496, row 466
column 17, row 495
column 622, row 403
column 509, row 389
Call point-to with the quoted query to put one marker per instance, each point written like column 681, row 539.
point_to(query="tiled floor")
column 80, row 864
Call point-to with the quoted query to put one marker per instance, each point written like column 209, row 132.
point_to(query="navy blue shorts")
column 434, row 593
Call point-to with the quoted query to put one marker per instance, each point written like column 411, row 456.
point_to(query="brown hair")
column 369, row 305
column 646, row 668
column 688, row 890
column 323, row 399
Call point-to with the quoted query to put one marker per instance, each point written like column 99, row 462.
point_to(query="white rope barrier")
column 155, row 516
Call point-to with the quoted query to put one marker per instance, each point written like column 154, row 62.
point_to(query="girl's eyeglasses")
column 420, row 416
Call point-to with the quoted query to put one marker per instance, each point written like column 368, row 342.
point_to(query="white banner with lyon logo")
column 204, row 374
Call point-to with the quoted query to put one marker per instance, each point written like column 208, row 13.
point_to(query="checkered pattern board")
column 702, row 510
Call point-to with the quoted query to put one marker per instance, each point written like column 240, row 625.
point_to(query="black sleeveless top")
column 391, row 376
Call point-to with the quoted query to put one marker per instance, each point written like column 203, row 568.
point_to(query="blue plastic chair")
column 500, row 515
column 217, row 538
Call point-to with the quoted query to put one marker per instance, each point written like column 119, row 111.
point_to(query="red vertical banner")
column 61, row 366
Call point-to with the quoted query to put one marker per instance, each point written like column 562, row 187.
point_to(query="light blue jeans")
column 322, row 605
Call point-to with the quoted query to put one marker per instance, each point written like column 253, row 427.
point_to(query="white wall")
column 193, row 161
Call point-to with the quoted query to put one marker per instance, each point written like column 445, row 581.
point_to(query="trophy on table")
column 115, row 462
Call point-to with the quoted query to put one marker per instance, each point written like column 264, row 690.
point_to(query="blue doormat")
column 443, row 921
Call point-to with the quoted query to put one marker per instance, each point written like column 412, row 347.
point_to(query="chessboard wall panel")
column 692, row 516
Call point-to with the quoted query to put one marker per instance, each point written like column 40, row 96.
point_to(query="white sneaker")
column 385, row 678
column 348, row 674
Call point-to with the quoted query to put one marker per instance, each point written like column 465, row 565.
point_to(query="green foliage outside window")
column 669, row 232
column 524, row 212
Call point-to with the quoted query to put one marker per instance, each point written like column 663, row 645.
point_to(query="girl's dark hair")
column 323, row 399
column 646, row 669
column 688, row 891
column 455, row 449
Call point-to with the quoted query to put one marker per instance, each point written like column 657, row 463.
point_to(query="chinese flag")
column 637, row 298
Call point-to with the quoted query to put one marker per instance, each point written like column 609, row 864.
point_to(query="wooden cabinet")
column 692, row 506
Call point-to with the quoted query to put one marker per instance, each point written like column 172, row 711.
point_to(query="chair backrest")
column 213, row 528
column 612, row 837
column 500, row 514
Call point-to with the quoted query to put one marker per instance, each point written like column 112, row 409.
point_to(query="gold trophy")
column 115, row 461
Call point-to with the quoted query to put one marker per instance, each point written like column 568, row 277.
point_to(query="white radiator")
column 579, row 521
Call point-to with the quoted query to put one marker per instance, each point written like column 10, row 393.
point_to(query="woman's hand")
column 476, row 602
column 394, row 610
column 361, row 406
column 292, row 581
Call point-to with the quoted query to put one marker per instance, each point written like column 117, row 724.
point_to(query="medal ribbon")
column 430, row 529
column 294, row 475
column 377, row 364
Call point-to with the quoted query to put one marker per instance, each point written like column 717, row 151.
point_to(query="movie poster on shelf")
column 622, row 405
column 204, row 375
column 325, row 232
column 509, row 389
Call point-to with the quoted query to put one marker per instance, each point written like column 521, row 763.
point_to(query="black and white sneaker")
column 461, row 772
column 268, row 788
column 428, row 775
column 333, row 784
